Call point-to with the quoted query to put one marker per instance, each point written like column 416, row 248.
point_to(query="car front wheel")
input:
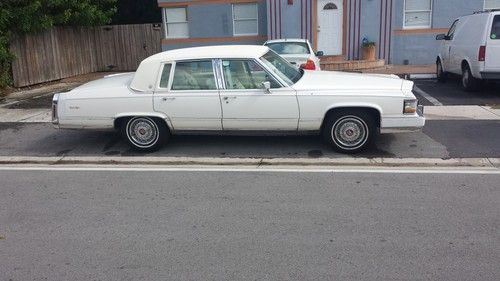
column 145, row 133
column 349, row 132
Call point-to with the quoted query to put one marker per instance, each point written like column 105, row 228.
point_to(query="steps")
column 333, row 63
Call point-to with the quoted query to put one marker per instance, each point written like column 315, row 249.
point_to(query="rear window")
column 495, row 28
column 289, row 48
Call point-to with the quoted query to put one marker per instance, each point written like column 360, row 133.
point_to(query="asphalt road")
column 451, row 93
column 458, row 139
column 81, row 225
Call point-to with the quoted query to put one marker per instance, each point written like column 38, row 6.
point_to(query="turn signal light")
column 309, row 65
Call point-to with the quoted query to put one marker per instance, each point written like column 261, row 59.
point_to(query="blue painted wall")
column 215, row 20
column 423, row 48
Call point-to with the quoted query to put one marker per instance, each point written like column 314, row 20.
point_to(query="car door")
column 187, row 93
column 246, row 105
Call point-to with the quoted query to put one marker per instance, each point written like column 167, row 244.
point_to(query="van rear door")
column 492, row 61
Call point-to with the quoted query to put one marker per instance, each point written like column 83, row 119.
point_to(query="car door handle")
column 227, row 98
column 167, row 99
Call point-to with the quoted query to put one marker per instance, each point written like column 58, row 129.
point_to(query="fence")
column 68, row 51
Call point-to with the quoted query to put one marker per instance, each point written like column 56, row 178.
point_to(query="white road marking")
column 428, row 97
column 371, row 170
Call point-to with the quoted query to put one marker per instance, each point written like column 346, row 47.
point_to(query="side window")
column 451, row 32
column 245, row 74
column 495, row 28
column 165, row 75
column 194, row 75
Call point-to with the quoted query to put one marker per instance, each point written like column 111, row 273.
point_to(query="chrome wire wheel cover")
column 350, row 132
column 142, row 131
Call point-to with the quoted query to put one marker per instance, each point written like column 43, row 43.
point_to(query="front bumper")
column 404, row 123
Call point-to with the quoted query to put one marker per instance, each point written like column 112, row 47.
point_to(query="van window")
column 495, row 28
column 451, row 32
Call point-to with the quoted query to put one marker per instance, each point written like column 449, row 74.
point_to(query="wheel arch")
column 374, row 111
column 122, row 116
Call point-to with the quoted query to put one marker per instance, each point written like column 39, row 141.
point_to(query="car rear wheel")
column 469, row 83
column 349, row 132
column 441, row 75
column 145, row 133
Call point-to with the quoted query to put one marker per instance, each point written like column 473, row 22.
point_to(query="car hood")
column 334, row 80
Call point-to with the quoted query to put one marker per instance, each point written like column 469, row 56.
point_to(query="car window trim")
column 174, row 66
column 158, row 79
column 268, row 72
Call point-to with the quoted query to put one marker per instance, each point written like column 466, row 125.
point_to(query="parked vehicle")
column 228, row 89
column 298, row 52
column 471, row 48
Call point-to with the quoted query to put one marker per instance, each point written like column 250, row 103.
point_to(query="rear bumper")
column 403, row 123
column 490, row 75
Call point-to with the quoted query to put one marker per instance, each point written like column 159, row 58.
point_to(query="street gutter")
column 257, row 162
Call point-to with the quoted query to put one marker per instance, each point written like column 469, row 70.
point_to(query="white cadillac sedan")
column 239, row 89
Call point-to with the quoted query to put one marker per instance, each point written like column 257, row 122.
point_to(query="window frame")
column 484, row 6
column 172, row 73
column 454, row 27
column 223, row 79
column 491, row 31
column 160, row 73
column 416, row 11
column 165, row 22
column 256, row 19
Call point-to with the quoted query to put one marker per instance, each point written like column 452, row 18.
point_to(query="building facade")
column 404, row 30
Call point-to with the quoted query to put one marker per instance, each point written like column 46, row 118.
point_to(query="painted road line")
column 428, row 97
column 245, row 169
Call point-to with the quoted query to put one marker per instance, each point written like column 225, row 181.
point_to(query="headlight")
column 55, row 117
column 410, row 106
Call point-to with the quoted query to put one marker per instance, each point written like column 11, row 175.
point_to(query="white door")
column 191, row 98
column 330, row 26
column 246, row 106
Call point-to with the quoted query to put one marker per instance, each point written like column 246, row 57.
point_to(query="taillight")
column 309, row 65
column 482, row 53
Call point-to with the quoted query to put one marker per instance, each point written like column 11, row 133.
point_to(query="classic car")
column 239, row 89
column 298, row 52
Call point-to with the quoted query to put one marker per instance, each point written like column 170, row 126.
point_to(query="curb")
column 186, row 161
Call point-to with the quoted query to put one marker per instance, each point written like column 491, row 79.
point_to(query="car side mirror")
column 320, row 53
column 266, row 85
column 442, row 37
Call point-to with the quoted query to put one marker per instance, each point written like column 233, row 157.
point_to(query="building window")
column 176, row 24
column 491, row 4
column 245, row 19
column 417, row 14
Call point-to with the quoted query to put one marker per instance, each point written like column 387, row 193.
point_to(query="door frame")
column 315, row 25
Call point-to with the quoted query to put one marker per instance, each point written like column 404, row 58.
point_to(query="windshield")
column 282, row 68
column 288, row 48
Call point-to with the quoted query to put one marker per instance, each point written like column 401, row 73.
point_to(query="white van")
column 471, row 48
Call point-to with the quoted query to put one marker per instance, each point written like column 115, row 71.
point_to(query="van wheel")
column 469, row 83
column 145, row 133
column 349, row 132
column 441, row 75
